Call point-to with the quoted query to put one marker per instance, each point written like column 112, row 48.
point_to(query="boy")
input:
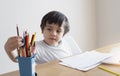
column 54, row 26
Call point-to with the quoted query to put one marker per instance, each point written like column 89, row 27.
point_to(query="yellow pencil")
column 110, row 71
column 33, row 38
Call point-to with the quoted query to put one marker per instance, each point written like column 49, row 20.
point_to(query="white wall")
column 84, row 24
column 28, row 13
column 108, row 22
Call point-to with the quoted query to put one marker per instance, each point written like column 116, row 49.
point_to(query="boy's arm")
column 12, row 54
column 10, row 47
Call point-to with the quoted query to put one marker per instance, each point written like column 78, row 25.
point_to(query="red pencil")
column 26, row 44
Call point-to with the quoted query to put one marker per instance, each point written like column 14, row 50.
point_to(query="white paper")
column 115, row 59
column 85, row 61
column 79, row 68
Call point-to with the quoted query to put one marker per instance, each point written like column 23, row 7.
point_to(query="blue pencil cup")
column 27, row 66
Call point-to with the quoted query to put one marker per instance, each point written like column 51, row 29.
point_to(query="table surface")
column 53, row 68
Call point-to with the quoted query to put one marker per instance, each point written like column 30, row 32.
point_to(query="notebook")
column 85, row 61
column 115, row 58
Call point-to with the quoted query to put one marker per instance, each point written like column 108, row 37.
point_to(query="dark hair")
column 57, row 18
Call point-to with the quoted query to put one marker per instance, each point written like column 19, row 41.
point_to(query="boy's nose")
column 54, row 33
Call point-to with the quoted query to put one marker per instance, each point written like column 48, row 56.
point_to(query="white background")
column 94, row 23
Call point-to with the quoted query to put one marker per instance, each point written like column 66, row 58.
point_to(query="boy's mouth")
column 52, row 39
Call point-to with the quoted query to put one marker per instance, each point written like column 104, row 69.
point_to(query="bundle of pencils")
column 27, row 50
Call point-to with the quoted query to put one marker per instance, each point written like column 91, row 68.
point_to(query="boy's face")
column 52, row 34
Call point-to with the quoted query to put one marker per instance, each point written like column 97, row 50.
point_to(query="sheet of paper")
column 79, row 68
column 85, row 61
column 115, row 58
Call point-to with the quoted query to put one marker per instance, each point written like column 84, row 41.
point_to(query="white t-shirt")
column 46, row 53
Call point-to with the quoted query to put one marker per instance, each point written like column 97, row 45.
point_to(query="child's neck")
column 52, row 44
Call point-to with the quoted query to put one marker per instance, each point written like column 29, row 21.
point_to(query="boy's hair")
column 57, row 18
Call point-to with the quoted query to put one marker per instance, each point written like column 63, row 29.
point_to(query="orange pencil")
column 23, row 52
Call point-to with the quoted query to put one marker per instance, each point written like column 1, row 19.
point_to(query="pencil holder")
column 27, row 66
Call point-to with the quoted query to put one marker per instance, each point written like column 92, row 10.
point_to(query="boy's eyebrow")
column 48, row 26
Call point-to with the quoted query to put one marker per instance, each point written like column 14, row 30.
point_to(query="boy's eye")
column 49, row 29
column 58, row 31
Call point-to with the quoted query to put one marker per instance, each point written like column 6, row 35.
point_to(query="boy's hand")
column 13, row 43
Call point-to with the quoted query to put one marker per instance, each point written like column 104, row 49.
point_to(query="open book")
column 85, row 61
